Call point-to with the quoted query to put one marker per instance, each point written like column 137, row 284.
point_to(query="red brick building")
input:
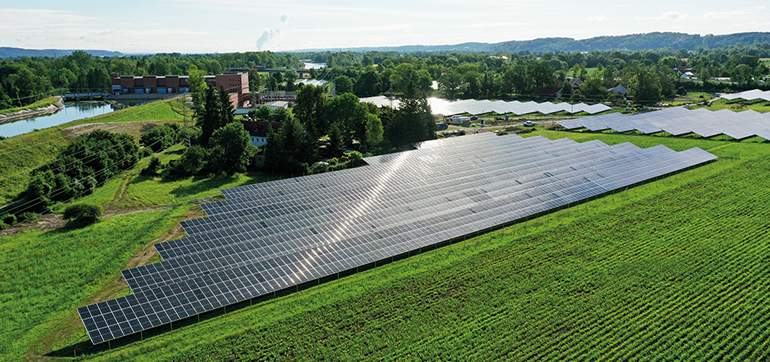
column 235, row 84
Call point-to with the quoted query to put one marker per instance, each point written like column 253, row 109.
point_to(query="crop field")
column 674, row 269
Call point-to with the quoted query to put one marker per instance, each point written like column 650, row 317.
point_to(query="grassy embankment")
column 39, row 104
column 21, row 154
column 47, row 274
column 762, row 106
column 673, row 268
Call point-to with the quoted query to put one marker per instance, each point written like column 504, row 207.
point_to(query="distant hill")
column 634, row 42
column 458, row 48
column 6, row 52
column 648, row 41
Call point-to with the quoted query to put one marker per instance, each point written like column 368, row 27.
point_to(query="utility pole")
column 185, row 107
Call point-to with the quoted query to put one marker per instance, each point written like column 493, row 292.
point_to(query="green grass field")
column 21, row 154
column 673, row 269
column 761, row 107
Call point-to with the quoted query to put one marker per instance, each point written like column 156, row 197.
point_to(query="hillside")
column 655, row 40
column 651, row 272
column 7, row 52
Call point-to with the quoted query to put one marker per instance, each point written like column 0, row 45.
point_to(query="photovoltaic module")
column 272, row 236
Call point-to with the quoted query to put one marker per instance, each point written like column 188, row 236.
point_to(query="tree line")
column 480, row 75
column 26, row 80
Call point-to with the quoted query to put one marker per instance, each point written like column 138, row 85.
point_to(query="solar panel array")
column 679, row 121
column 271, row 236
column 472, row 106
column 748, row 95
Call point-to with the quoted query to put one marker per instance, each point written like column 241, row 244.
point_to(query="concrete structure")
column 235, row 84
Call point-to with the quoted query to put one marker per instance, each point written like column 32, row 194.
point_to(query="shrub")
column 4, row 226
column 30, row 216
column 144, row 152
column 159, row 138
column 9, row 219
column 80, row 215
column 192, row 162
column 153, row 167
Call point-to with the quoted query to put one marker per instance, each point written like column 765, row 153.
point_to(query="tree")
column 516, row 80
column 255, row 81
column 343, row 84
column 644, row 86
column 742, row 74
column 231, row 150
column 472, row 80
column 450, row 83
column 198, row 87
column 262, row 113
column 288, row 150
column 593, row 88
column 81, row 215
column 209, row 119
column 405, row 73
column 368, row 84
column 541, row 73
column 159, row 138
column 412, row 122
column 349, row 115
column 290, row 77
column 373, row 131
column 336, row 145
column 225, row 107
column 308, row 108
column 193, row 161
column 276, row 79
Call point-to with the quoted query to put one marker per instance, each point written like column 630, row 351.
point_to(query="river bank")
column 32, row 113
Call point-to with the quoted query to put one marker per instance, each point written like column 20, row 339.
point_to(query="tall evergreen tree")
column 226, row 109
column 208, row 119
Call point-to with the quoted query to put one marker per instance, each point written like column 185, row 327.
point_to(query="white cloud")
column 674, row 15
column 14, row 20
column 285, row 19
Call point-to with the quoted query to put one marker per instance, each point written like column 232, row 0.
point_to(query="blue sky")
column 203, row 26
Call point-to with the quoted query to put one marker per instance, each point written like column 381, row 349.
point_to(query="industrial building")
column 236, row 84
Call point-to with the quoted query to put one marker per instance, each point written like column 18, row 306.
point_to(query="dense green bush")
column 152, row 168
column 80, row 215
column 9, row 219
column 145, row 152
column 83, row 165
column 160, row 138
column 192, row 162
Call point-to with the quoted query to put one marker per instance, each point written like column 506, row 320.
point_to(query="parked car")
column 529, row 124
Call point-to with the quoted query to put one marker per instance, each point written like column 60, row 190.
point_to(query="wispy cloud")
column 674, row 15
column 598, row 18
column 724, row 14
column 285, row 19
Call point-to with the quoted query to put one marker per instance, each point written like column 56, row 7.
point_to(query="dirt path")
column 55, row 221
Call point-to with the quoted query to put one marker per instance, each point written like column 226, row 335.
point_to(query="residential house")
column 258, row 130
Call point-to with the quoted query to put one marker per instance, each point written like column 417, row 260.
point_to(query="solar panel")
column 272, row 236
column 476, row 107
column 680, row 121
